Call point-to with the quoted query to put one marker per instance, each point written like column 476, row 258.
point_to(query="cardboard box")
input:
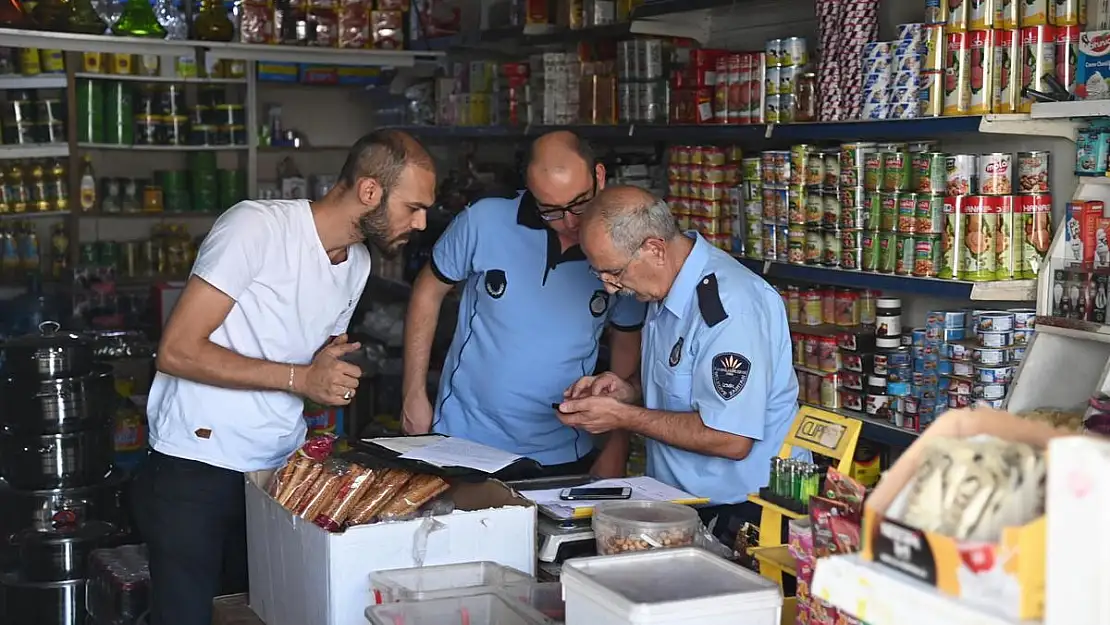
column 1006, row 577
column 300, row 574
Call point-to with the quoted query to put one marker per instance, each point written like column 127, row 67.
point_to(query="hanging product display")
column 138, row 20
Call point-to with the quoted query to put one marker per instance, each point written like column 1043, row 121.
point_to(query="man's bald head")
column 629, row 216
column 383, row 155
column 558, row 150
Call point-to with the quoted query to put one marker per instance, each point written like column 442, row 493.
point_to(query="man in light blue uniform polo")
column 530, row 319
column 717, row 382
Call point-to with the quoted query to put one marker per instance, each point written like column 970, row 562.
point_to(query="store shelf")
column 1070, row 110
column 288, row 149
column 790, row 514
column 1001, row 291
column 35, row 215
column 810, row 370
column 163, row 148
column 43, row 81
column 34, row 150
column 69, row 42
column 149, row 215
column 880, row 596
column 1074, row 328
column 874, row 430
column 171, row 79
column 775, row 556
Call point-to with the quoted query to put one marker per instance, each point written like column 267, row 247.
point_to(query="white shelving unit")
column 880, row 596
column 42, row 81
column 34, row 150
column 164, row 148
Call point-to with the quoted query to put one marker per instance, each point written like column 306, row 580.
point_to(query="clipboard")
column 385, row 452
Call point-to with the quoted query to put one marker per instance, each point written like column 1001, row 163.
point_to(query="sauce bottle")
column 88, row 186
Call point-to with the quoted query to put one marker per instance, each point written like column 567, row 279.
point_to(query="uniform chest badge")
column 599, row 303
column 676, row 352
column 730, row 373
column 496, row 282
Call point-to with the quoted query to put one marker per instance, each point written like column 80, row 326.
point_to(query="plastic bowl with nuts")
column 624, row 526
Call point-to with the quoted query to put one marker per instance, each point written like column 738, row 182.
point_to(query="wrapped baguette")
column 358, row 481
column 419, row 491
column 324, row 490
column 302, row 489
column 389, row 485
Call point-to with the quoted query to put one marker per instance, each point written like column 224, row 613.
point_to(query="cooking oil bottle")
column 28, row 242
column 17, row 188
column 39, row 187
column 88, row 186
column 59, row 186
column 9, row 253
column 59, row 251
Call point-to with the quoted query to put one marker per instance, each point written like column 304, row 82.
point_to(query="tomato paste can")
column 959, row 14
column 962, row 172
column 907, row 207
column 981, row 48
column 1038, row 45
column 1066, row 12
column 1033, row 171
column 957, row 81
column 1007, row 63
column 926, row 255
column 996, row 173
column 1067, row 55
column 1008, row 14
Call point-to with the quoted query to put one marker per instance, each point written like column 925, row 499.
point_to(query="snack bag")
column 419, row 491
column 316, row 448
column 843, row 488
column 324, row 490
column 845, row 535
column 383, row 490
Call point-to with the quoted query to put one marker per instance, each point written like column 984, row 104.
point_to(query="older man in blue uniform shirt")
column 530, row 319
column 717, row 383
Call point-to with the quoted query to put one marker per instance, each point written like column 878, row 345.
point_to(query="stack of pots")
column 58, row 496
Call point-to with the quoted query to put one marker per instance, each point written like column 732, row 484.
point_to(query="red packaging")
column 386, row 30
column 755, row 87
column 256, row 22
column 327, row 28
column 703, row 105
column 354, row 24
column 682, row 107
column 720, row 92
column 738, row 68
column 1082, row 223
column 1038, row 53
column 1067, row 55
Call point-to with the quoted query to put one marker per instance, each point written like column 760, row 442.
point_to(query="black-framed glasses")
column 577, row 207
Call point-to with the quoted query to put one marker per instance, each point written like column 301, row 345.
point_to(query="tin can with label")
column 773, row 51
column 815, row 208
column 799, row 158
column 873, row 171
column 1034, row 12
column 753, row 248
column 936, row 11
column 957, row 74
column 926, row 255
column 1007, row 62
column 771, row 113
column 831, row 257
column 793, row 51
column 1036, row 228
column 832, row 167
column 788, row 74
column 929, row 173
column 1038, row 44
column 815, row 246
column 870, row 251
column 959, row 15
column 933, row 41
column 962, row 174
column 796, row 243
column 906, row 219
column 782, row 243
column 1008, row 15
column 897, row 168
column 873, row 211
column 853, row 217
column 931, row 94
column 888, row 212
column 814, row 168
column 981, row 49
column 770, row 241
column 830, row 216
column 976, row 237
column 850, row 239
column 850, row 258
column 625, row 96
column 651, row 59
column 929, row 213
column 888, row 244
column 1006, row 241
column 853, row 196
column 1033, row 172
column 903, row 254
column 1067, row 55
column 996, row 174
column 771, row 82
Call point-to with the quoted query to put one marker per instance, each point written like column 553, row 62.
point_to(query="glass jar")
column 830, row 397
column 137, row 20
column 805, row 97
column 812, row 311
column 213, row 24
column 847, row 308
column 867, row 310
column 828, row 354
column 813, row 353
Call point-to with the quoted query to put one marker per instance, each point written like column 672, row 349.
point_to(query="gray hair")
column 629, row 228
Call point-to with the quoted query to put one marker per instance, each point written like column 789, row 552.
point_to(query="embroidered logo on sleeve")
column 496, row 283
column 676, row 352
column 599, row 303
column 730, row 374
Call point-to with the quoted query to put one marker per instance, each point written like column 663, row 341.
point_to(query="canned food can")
column 782, row 243
column 929, row 213
column 750, row 168
column 959, row 14
column 788, row 75
column 1024, row 318
column 1022, row 337
column 815, row 208
column 996, row 174
column 995, row 321
column 626, row 60
column 1007, row 58
column 773, row 52
column 981, row 49
column 957, row 81
column 780, row 171
column 832, row 248
column 926, row 255
column 786, row 108
column 753, row 247
column 795, row 253
column 1034, row 12
column 936, row 12
column 796, row 206
column 929, row 173
column 1009, row 14
column 770, row 241
column 815, row 246
column 931, row 96
column 852, row 157
column 832, row 167
column 962, row 174
column 850, row 258
column 906, row 219
column 1067, row 55
column 980, row 14
column 873, row 171
column 932, row 45
column 1036, row 223
column 626, row 102
column 1038, row 45
column 853, row 217
column 772, row 81
column 888, row 211
column 995, row 339
column 814, row 168
column 799, row 156
column 793, row 51
column 896, row 171
column 651, row 58
column 1033, row 171
column 904, row 254
column 975, row 237
column 771, row 113
column 651, row 103
column 888, row 242
column 850, row 239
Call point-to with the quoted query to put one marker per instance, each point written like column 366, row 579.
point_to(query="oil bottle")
column 29, row 247
column 59, row 186
column 9, row 253
column 17, row 188
column 88, row 186
column 59, row 251
column 40, row 189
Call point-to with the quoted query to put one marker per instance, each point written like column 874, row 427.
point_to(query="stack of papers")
column 643, row 489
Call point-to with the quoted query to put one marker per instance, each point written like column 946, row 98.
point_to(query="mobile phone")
column 595, row 494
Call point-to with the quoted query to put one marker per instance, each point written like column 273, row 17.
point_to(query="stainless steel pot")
column 59, row 405
column 56, row 460
column 60, row 554
column 53, row 603
column 49, row 354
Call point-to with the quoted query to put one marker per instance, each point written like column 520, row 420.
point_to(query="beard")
column 373, row 225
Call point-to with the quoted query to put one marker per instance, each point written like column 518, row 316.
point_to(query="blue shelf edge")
column 902, row 130
column 954, row 289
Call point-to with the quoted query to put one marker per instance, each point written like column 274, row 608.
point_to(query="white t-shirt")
column 289, row 298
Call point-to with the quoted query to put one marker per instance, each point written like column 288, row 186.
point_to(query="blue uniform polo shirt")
column 529, row 324
column 719, row 345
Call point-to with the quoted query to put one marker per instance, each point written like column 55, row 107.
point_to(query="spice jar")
column 811, row 307
column 888, row 317
column 805, row 97
column 867, row 307
column 813, row 358
column 847, row 308
column 828, row 354
column 829, row 391
column 828, row 306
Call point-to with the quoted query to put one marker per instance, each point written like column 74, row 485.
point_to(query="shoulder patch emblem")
column 599, row 303
column 496, row 283
column 730, row 374
column 676, row 352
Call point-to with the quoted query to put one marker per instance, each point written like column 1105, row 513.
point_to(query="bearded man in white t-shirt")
column 260, row 325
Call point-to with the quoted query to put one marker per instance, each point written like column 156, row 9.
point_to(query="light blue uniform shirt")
column 529, row 323
column 719, row 345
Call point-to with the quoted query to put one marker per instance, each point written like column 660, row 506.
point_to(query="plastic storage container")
column 623, row 526
column 487, row 609
column 543, row 597
column 439, row 582
column 668, row 587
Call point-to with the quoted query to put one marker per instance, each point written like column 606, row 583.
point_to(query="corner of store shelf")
column 1005, row 291
column 1068, row 110
column 696, row 27
column 1024, row 124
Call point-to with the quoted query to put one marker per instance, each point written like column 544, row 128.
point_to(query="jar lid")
column 889, row 342
column 888, row 302
column 876, row 381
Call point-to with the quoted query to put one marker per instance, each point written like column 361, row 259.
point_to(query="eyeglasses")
column 575, row 208
column 612, row 277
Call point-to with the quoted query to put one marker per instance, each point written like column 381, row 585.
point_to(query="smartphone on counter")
column 586, row 493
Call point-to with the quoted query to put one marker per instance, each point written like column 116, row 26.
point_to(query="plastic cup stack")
column 829, row 16
column 859, row 25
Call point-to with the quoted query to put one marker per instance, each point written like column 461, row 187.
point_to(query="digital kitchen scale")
column 559, row 539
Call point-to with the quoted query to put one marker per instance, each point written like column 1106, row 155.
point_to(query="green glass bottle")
column 212, row 23
column 137, row 20
column 83, row 18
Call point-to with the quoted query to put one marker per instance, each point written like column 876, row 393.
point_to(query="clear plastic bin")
column 624, row 526
column 448, row 580
column 487, row 609
column 543, row 597
column 667, row 587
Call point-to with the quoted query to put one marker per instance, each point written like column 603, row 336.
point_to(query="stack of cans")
column 980, row 371
column 642, row 69
column 829, row 16
column 751, row 190
column 859, row 25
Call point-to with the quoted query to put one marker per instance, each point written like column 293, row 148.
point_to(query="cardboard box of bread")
column 317, row 528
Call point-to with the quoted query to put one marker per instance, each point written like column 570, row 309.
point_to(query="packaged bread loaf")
column 383, row 490
column 288, row 480
column 325, row 489
column 358, row 481
column 419, row 491
column 301, row 482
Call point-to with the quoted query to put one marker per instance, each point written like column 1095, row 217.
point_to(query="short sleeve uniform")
column 530, row 319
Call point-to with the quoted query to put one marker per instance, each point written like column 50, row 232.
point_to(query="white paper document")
column 404, row 444
column 643, row 489
column 458, row 452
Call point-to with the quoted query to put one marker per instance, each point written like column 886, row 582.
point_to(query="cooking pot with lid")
column 51, row 353
column 33, row 462
column 60, row 554
column 58, row 405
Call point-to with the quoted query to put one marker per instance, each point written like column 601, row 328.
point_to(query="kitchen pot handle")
column 49, row 327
